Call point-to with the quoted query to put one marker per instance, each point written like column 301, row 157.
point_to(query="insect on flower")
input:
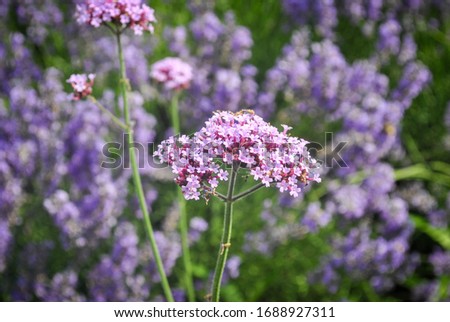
column 241, row 112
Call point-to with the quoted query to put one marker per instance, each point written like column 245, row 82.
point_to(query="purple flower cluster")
column 51, row 144
column 381, row 261
column 62, row 287
column 124, row 13
column 56, row 202
column 39, row 18
column 172, row 72
column 367, row 14
column 440, row 260
column 82, row 85
column 315, row 80
column 272, row 157
column 115, row 277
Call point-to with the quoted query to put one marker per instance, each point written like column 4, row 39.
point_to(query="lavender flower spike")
column 273, row 157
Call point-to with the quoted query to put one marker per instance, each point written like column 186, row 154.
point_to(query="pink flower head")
column 172, row 72
column 124, row 13
column 272, row 157
column 81, row 84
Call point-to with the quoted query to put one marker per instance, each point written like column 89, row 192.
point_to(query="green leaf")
column 440, row 235
column 419, row 171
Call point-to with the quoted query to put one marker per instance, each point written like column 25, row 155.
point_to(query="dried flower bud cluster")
column 273, row 157
column 82, row 85
column 126, row 13
column 172, row 72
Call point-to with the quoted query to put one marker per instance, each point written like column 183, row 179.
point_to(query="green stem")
column 175, row 114
column 220, row 196
column 226, row 236
column 248, row 192
column 115, row 119
column 136, row 175
column 188, row 279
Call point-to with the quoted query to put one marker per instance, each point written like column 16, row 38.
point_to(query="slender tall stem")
column 114, row 118
column 226, row 236
column 248, row 192
column 188, row 279
column 136, row 175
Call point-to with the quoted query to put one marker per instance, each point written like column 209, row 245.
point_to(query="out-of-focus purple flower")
column 383, row 261
column 389, row 37
column 379, row 181
column 16, row 63
column 273, row 157
column 172, row 72
column 82, row 85
column 228, row 82
column 5, row 240
column 395, row 215
column 241, row 41
column 440, row 260
column 207, row 28
column 315, row 217
column 231, row 269
column 62, row 287
column 418, row 198
column 4, row 8
column 321, row 13
column 123, row 13
column 426, row 291
column 447, row 117
column 39, row 18
column 115, row 277
column 439, row 218
column 414, row 78
column 170, row 248
column 351, row 201
column 33, row 261
column 197, row 226
column 408, row 50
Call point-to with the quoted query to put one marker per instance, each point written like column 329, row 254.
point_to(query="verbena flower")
column 273, row 157
column 82, row 85
column 125, row 13
column 172, row 72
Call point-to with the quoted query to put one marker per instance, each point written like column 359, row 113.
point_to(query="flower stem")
column 136, row 175
column 114, row 118
column 226, row 236
column 248, row 192
column 188, row 279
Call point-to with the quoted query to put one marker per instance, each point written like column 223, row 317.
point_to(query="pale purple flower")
column 123, row 13
column 81, row 84
column 197, row 226
column 238, row 138
column 389, row 37
column 172, row 72
column 315, row 217
column 440, row 260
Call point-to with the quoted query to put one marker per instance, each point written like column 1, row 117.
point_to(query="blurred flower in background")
column 172, row 72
